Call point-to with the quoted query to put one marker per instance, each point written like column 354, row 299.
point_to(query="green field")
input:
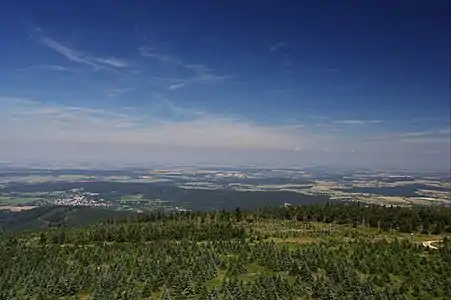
column 137, row 197
column 5, row 200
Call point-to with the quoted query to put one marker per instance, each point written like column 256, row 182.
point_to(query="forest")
column 50, row 216
column 322, row 251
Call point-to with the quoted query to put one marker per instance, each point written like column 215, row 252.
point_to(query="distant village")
column 76, row 197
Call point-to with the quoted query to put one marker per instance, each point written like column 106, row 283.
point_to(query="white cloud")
column 201, row 73
column 197, row 129
column 80, row 57
column 417, row 136
column 357, row 122
column 179, row 83
column 152, row 53
column 429, row 140
column 128, row 134
column 434, row 132
column 177, row 86
column 114, row 62
column 51, row 68
column 112, row 93
column 278, row 46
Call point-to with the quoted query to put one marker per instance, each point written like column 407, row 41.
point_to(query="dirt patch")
column 16, row 208
column 428, row 244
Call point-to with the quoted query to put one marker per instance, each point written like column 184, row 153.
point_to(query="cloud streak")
column 199, row 78
column 435, row 132
column 113, row 93
column 62, row 123
column 80, row 57
column 57, row 68
column 357, row 122
column 164, row 58
column 201, row 74
column 168, row 131
column 277, row 46
column 195, row 127
column 432, row 135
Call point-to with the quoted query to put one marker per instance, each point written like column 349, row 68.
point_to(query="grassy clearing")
column 218, row 279
column 74, row 177
column 37, row 179
column 294, row 242
column 131, row 198
column 134, row 180
column 32, row 194
column 294, row 234
column 194, row 183
column 16, row 208
column 5, row 200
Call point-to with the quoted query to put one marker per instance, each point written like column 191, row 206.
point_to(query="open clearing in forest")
column 5, row 200
column 429, row 244
column 16, row 208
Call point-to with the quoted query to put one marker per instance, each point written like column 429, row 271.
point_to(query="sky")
column 249, row 82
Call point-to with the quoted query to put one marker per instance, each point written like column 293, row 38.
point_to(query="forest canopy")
column 299, row 252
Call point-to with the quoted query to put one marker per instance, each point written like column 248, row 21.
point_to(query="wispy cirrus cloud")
column 357, row 122
column 192, row 128
column 112, row 93
column 165, row 130
column 200, row 73
column 28, row 108
column 177, row 86
column 151, row 52
column 318, row 117
column 112, row 61
column 436, row 140
column 286, row 60
column 77, row 56
column 433, row 132
column 178, row 83
column 277, row 46
column 57, row 68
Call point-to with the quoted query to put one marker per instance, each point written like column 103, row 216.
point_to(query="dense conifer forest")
column 299, row 252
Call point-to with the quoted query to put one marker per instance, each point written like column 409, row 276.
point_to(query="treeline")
column 53, row 216
column 426, row 219
column 200, row 226
column 137, row 232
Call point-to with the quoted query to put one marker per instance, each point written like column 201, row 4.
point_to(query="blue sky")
column 229, row 82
